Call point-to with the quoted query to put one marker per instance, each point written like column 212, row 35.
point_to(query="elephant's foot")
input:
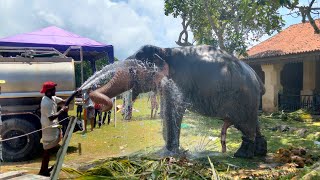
column 165, row 152
column 260, row 146
column 246, row 149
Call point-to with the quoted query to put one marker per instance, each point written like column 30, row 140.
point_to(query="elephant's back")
column 214, row 79
column 209, row 69
column 205, row 53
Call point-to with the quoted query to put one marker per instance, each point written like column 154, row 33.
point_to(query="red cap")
column 47, row 85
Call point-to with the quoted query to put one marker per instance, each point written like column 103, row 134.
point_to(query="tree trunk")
column 218, row 32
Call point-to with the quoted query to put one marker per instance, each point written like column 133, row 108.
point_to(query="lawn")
column 199, row 137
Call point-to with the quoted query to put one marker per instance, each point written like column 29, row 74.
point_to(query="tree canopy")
column 305, row 11
column 227, row 24
column 87, row 71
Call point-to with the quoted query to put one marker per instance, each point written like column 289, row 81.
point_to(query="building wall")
column 295, row 75
column 317, row 90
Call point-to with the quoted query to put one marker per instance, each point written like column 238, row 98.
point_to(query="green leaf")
column 228, row 24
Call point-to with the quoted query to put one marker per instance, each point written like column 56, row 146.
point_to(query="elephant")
column 202, row 79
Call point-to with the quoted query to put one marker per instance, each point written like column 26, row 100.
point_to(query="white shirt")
column 48, row 108
column 87, row 101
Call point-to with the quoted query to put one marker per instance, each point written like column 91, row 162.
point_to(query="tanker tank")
column 22, row 73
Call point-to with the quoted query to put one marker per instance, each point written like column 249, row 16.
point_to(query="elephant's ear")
column 158, row 61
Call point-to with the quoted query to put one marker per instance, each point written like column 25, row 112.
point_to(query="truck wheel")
column 22, row 148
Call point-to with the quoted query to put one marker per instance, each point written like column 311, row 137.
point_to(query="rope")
column 15, row 137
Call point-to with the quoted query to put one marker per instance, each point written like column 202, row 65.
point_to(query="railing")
column 27, row 49
column 295, row 102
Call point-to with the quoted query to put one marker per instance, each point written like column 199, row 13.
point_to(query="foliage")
column 87, row 69
column 306, row 12
column 87, row 72
column 229, row 24
column 301, row 115
column 147, row 168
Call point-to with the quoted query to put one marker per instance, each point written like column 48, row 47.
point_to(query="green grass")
column 143, row 136
column 122, row 138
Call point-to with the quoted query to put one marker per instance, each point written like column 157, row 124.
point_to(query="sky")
column 126, row 24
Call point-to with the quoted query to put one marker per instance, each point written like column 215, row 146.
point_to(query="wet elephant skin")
column 212, row 83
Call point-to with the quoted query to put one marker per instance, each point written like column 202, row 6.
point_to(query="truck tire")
column 23, row 148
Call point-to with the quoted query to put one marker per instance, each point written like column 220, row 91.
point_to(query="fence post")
column 63, row 149
column 127, row 106
column 114, row 111
column 1, row 160
column 315, row 104
column 295, row 102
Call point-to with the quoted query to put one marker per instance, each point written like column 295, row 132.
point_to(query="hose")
column 71, row 97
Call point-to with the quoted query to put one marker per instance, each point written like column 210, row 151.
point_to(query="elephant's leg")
column 151, row 113
column 172, row 113
column 248, row 130
column 161, row 107
column 246, row 149
column 171, row 129
column 260, row 143
column 225, row 126
column 155, row 112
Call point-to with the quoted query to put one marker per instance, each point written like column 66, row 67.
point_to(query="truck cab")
column 22, row 73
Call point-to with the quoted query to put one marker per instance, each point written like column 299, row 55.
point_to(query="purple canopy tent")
column 76, row 46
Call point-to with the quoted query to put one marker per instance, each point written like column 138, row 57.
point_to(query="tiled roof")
column 297, row 38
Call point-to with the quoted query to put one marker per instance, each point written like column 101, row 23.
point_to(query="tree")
column 228, row 24
column 87, row 71
column 303, row 11
column 184, row 10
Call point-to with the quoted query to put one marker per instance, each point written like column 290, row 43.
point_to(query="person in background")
column 79, row 103
column 97, row 112
column 109, row 116
column 154, row 104
column 51, row 135
column 107, row 113
column 79, row 111
column 89, row 106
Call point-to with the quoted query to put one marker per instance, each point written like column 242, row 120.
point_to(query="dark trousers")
column 62, row 118
column 79, row 111
column 105, row 116
column 45, row 170
column 97, row 113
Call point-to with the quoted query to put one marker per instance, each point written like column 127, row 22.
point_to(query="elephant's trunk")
column 120, row 83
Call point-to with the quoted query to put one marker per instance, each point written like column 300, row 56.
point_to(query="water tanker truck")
column 22, row 73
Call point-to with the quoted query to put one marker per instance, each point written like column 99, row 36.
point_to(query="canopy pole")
column 114, row 111
column 81, row 59
column 1, row 159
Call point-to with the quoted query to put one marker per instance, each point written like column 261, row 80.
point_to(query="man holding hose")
column 51, row 135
